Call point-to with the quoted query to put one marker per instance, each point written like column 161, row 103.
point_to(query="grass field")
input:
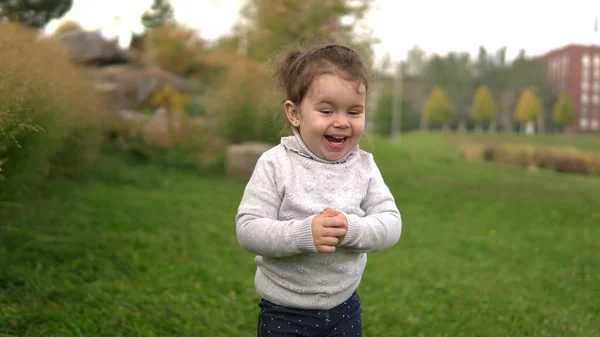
column 134, row 250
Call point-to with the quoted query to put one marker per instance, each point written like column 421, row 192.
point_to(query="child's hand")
column 329, row 229
column 333, row 213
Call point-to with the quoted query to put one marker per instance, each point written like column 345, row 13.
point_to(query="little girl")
column 316, row 203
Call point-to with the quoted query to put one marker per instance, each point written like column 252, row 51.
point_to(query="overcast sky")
column 437, row 26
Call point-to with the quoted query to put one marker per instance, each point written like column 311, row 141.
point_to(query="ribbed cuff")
column 303, row 237
column 353, row 228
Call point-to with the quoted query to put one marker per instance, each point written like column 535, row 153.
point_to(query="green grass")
column 486, row 250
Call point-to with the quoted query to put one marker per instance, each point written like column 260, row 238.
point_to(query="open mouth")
column 336, row 141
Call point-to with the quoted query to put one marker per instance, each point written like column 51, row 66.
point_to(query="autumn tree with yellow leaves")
column 484, row 108
column 438, row 108
column 528, row 108
column 564, row 111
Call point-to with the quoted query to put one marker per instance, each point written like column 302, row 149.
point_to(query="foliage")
column 383, row 116
column 484, row 108
column 528, row 107
column 97, row 258
column 170, row 99
column 438, row 108
column 160, row 14
column 453, row 72
column 564, row 110
column 35, row 14
column 68, row 26
column 175, row 48
column 50, row 116
column 559, row 158
column 243, row 102
column 269, row 25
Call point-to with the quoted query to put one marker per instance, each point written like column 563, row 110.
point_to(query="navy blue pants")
column 344, row 320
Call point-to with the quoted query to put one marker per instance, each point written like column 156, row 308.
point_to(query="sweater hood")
column 296, row 144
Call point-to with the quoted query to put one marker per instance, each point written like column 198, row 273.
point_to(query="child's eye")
column 325, row 111
column 355, row 113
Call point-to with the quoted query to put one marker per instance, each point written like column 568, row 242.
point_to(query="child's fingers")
column 333, row 232
column 334, row 222
column 327, row 241
column 325, row 249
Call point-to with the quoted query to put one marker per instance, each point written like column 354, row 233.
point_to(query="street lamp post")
column 397, row 105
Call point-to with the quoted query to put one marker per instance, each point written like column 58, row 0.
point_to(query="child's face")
column 331, row 117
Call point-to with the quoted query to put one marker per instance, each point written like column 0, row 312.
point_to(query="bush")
column 244, row 105
column 564, row 160
column 50, row 118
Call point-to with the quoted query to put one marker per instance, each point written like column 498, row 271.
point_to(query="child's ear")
column 292, row 112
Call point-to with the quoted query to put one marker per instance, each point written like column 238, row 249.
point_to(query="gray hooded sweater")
column 288, row 188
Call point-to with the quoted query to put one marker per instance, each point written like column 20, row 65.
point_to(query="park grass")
column 139, row 250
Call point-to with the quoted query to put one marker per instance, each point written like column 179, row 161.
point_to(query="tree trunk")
column 493, row 127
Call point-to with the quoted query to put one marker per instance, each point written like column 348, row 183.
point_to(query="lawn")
column 140, row 250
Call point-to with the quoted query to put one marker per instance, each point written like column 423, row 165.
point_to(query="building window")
column 585, row 86
column 596, row 60
column 584, row 98
column 584, row 111
column 596, row 86
column 585, row 60
column 595, row 99
column 594, row 124
column 583, row 123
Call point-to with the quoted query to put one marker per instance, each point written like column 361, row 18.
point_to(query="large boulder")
column 241, row 158
column 91, row 48
column 131, row 87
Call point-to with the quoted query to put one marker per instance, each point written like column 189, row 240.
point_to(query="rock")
column 131, row 87
column 91, row 48
column 241, row 158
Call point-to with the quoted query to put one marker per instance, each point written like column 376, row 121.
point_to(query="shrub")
column 244, row 105
column 50, row 118
column 561, row 159
column 175, row 48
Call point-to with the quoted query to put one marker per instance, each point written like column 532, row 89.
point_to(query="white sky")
column 435, row 25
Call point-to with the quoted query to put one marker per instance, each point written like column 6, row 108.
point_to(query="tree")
column 438, row 108
column 383, row 115
column 267, row 26
column 35, row 14
column 453, row 72
column 564, row 110
column 175, row 48
column 159, row 14
column 528, row 109
column 484, row 108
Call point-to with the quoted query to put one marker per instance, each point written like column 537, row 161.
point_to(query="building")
column 575, row 68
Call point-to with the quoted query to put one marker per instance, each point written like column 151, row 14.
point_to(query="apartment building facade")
column 576, row 69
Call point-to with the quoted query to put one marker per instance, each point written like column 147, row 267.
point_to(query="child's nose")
column 341, row 121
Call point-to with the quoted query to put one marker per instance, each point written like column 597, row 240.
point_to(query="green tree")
column 35, row 14
column 564, row 112
column 438, row 107
column 159, row 14
column 454, row 73
column 527, row 110
column 484, row 108
column 267, row 26
column 383, row 115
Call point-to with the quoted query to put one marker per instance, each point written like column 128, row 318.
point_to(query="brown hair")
column 300, row 67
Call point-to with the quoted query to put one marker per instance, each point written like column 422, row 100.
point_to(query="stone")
column 241, row 158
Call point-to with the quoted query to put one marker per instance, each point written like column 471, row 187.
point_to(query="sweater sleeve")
column 258, row 230
column 381, row 226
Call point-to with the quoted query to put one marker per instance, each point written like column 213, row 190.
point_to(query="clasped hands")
column 329, row 229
